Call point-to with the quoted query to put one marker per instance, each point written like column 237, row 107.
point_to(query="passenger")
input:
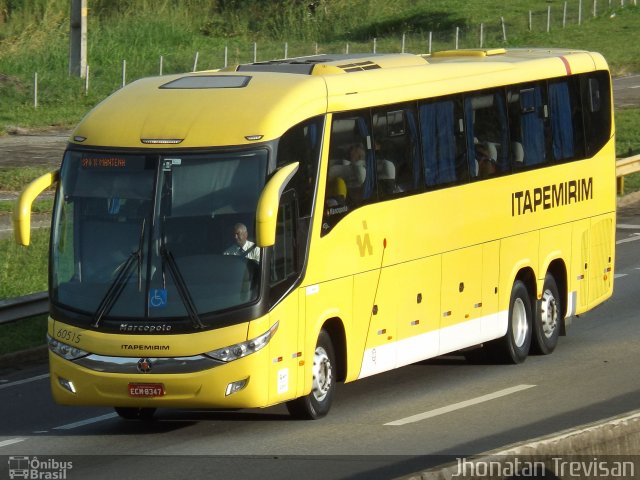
column 352, row 170
column 486, row 164
column 242, row 246
column 358, row 165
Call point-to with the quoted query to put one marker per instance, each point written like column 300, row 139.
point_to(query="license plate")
column 146, row 389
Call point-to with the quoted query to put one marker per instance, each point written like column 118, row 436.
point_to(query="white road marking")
column 6, row 443
column 88, row 421
column 630, row 239
column 26, row 380
column 618, row 275
column 628, row 226
column 460, row 405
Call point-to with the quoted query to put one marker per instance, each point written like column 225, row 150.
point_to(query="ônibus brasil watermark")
column 38, row 469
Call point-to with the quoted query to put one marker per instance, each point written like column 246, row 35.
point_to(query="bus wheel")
column 546, row 326
column 133, row 413
column 317, row 403
column 514, row 346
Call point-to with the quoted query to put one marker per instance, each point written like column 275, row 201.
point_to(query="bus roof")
column 256, row 102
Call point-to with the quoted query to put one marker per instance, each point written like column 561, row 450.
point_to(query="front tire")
column 546, row 327
column 318, row 402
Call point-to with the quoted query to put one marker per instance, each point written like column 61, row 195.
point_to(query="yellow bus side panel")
column 326, row 301
column 601, row 259
column 516, row 254
column 418, row 319
column 555, row 243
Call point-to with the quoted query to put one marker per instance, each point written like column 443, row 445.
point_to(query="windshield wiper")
column 181, row 285
column 118, row 284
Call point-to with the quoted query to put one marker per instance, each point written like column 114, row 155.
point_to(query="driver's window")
column 284, row 264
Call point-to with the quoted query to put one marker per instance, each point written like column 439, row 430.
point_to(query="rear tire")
column 514, row 346
column 546, row 327
column 318, row 402
column 133, row 413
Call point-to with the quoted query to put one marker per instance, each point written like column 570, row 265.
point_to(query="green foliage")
column 15, row 179
column 26, row 333
column 24, row 270
column 627, row 132
column 39, row 206
column 34, row 36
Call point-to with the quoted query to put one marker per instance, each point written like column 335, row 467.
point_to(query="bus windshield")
column 156, row 237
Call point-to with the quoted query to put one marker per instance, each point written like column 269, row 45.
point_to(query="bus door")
column 284, row 268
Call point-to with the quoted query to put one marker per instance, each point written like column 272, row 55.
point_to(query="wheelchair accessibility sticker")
column 158, row 297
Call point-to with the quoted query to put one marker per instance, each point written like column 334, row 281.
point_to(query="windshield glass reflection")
column 154, row 237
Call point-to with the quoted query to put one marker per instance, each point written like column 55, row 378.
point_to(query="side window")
column 397, row 153
column 596, row 105
column 443, row 142
column 487, row 134
column 302, row 144
column 529, row 125
column 351, row 170
column 565, row 111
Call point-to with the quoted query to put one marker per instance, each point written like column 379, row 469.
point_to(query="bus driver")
column 242, row 246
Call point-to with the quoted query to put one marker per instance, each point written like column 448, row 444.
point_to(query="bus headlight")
column 239, row 350
column 65, row 351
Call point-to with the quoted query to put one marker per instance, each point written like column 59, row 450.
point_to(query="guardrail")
column 14, row 309
column 626, row 166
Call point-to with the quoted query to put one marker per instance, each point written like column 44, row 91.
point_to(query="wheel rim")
column 322, row 374
column 548, row 314
column 519, row 324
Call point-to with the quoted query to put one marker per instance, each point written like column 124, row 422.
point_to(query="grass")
column 627, row 132
column 14, row 179
column 26, row 333
column 39, row 206
column 35, row 39
column 628, row 142
column 24, row 270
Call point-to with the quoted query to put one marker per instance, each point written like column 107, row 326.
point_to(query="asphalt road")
column 626, row 91
column 385, row 426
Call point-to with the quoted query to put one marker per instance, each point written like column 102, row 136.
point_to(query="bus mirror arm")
column 22, row 208
column 267, row 212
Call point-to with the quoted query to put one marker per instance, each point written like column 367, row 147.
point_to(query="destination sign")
column 104, row 162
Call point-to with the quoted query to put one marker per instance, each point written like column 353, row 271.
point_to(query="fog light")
column 67, row 384
column 236, row 387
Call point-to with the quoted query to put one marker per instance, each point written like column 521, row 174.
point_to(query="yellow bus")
column 252, row 236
